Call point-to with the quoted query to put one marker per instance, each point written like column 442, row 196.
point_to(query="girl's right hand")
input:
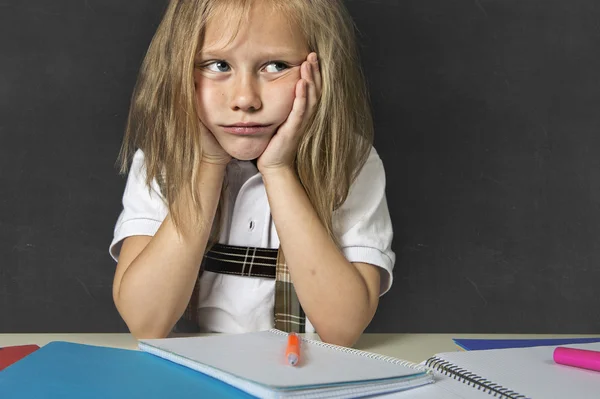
column 212, row 152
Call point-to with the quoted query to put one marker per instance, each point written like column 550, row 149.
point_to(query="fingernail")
column 314, row 58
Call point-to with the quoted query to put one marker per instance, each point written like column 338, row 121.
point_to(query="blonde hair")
column 163, row 121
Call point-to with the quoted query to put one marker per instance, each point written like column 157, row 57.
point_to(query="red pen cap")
column 582, row 358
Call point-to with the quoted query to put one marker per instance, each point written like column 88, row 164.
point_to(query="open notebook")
column 517, row 373
column 255, row 363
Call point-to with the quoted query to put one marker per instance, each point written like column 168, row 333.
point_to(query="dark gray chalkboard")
column 487, row 118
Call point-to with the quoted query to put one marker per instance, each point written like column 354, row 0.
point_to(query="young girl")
column 254, row 198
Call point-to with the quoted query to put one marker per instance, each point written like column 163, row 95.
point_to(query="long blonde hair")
column 163, row 121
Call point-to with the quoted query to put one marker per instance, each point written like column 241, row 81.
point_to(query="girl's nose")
column 246, row 95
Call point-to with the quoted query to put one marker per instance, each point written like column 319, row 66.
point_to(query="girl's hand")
column 281, row 151
column 212, row 152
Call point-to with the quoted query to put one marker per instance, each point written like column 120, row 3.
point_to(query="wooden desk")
column 412, row 347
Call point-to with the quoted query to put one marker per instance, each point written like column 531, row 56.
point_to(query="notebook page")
column 444, row 388
column 531, row 371
column 260, row 357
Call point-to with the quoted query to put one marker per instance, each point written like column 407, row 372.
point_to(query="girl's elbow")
column 344, row 340
column 147, row 330
column 142, row 327
column 346, row 336
column 148, row 333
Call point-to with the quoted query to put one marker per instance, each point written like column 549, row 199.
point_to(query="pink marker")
column 582, row 358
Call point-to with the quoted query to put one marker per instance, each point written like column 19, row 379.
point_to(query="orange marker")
column 292, row 352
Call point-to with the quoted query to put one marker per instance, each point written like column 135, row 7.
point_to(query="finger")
column 316, row 71
column 296, row 116
column 311, row 89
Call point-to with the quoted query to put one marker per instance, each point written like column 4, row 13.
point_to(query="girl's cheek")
column 206, row 91
column 285, row 90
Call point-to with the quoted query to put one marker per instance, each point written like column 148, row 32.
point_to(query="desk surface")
column 411, row 347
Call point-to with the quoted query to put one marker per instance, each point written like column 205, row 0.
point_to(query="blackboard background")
column 487, row 119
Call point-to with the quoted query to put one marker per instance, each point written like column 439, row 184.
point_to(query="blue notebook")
column 479, row 344
column 68, row 370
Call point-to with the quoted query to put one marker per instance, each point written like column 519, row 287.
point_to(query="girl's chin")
column 246, row 150
column 246, row 154
column 245, row 157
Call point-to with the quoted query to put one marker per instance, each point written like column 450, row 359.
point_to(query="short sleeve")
column 363, row 225
column 143, row 207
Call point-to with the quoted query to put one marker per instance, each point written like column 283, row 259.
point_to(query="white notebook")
column 519, row 373
column 255, row 363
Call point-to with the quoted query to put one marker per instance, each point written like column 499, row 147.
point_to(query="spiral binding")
column 358, row 352
column 472, row 379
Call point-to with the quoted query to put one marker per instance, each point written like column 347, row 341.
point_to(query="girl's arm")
column 339, row 297
column 155, row 275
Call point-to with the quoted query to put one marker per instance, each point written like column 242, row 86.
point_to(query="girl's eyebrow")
column 270, row 54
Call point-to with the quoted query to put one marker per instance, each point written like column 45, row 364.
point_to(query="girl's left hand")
column 281, row 151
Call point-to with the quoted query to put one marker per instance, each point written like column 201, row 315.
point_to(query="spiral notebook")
column 255, row 363
column 516, row 373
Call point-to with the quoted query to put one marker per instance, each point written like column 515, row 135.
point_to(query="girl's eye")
column 218, row 66
column 275, row 66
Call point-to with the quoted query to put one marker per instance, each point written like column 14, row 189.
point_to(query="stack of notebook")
column 218, row 366
column 253, row 365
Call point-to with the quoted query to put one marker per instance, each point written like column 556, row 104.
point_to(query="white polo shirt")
column 234, row 304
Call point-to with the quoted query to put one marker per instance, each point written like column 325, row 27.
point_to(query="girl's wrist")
column 211, row 174
column 214, row 162
column 277, row 173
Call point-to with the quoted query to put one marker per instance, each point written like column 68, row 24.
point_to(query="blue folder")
column 68, row 370
column 479, row 344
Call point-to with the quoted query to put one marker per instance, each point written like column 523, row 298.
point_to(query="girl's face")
column 245, row 89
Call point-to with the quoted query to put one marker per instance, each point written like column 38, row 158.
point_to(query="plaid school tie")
column 289, row 316
column 252, row 262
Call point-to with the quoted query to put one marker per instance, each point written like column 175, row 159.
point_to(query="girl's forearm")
column 156, row 287
column 333, row 293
